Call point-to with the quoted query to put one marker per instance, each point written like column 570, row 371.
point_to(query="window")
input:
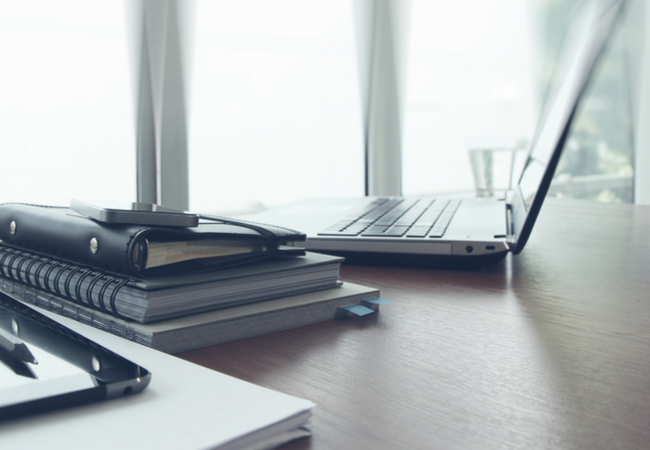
column 275, row 108
column 66, row 109
column 470, row 83
column 477, row 74
column 274, row 101
column 597, row 162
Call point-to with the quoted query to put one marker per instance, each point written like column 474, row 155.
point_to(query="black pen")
column 19, row 366
column 15, row 347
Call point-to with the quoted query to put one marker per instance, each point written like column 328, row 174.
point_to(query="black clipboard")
column 45, row 366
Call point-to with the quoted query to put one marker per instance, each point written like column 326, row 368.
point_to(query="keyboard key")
column 443, row 221
column 397, row 217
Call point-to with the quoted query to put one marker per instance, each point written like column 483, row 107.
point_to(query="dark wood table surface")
column 547, row 349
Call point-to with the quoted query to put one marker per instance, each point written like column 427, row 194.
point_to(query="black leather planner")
column 139, row 250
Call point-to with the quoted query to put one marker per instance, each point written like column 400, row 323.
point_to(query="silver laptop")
column 461, row 232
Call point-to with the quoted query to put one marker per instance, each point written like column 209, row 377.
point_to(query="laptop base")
column 452, row 262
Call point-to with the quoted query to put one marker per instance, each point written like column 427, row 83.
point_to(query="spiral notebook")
column 153, row 299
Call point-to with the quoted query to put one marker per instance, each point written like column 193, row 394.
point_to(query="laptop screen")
column 582, row 45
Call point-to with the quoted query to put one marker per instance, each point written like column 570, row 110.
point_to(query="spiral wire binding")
column 59, row 274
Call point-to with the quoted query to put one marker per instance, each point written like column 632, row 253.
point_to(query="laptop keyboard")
column 397, row 217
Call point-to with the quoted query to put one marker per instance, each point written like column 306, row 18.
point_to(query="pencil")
column 15, row 347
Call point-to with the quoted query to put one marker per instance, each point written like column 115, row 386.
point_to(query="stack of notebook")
column 156, row 286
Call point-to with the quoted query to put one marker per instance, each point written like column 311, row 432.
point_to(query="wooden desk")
column 549, row 349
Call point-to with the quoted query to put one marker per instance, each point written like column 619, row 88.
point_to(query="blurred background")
column 274, row 98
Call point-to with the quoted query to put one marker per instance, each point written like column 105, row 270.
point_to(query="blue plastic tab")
column 358, row 310
column 379, row 301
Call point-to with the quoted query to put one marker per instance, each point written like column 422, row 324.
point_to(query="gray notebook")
column 218, row 326
column 148, row 300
